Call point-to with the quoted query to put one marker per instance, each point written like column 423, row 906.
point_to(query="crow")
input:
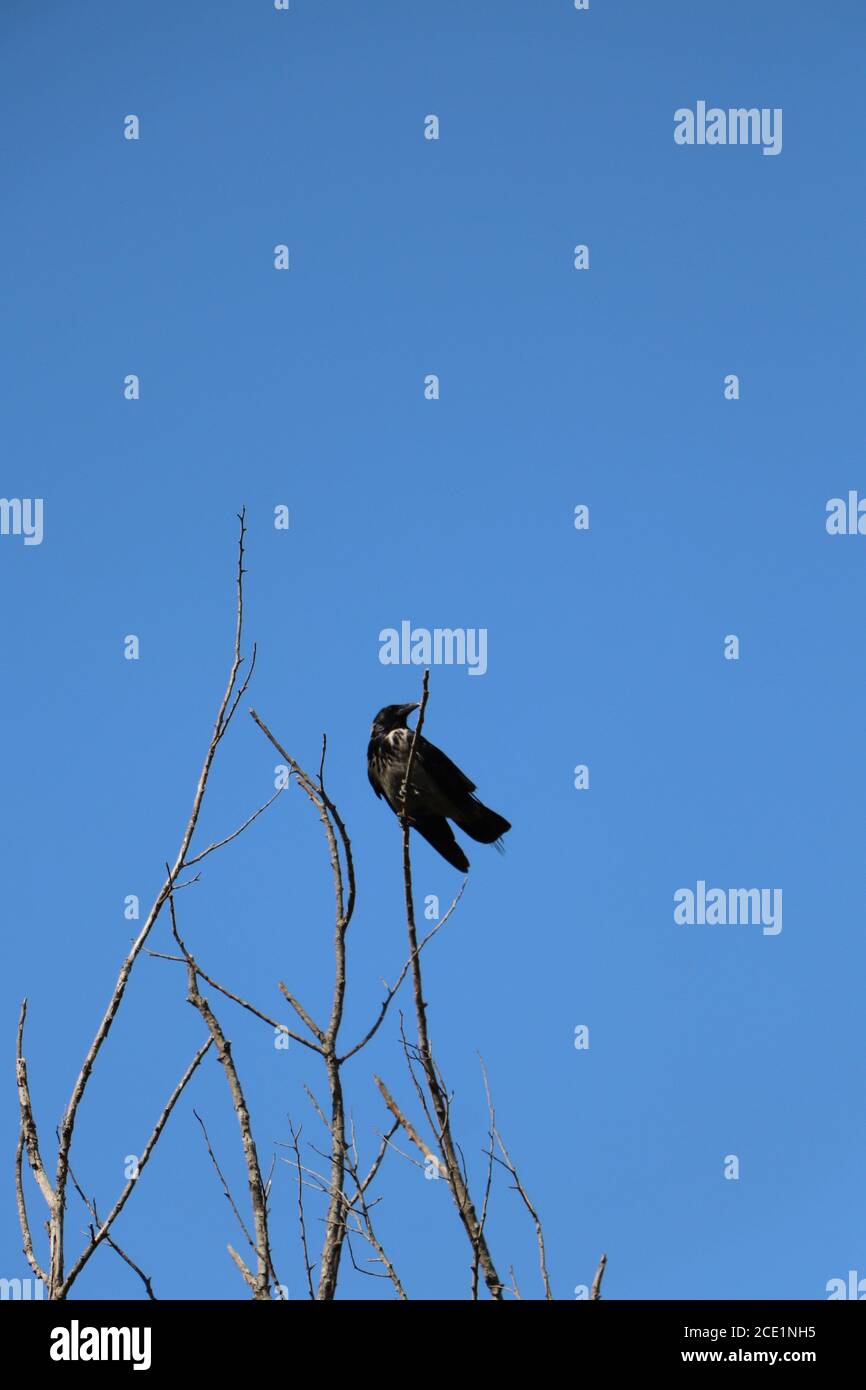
column 438, row 791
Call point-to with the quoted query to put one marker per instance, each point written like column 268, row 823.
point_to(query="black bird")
column 438, row 791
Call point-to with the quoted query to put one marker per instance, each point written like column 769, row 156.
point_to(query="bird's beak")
column 407, row 709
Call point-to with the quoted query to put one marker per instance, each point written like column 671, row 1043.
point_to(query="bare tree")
column 347, row 1191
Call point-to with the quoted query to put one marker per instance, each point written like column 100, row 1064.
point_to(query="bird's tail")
column 482, row 824
column 438, row 833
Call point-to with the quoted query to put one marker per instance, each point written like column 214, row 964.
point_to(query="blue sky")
column 605, row 647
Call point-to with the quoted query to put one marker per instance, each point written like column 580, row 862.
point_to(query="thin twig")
column 401, row 977
column 259, row 1282
column 344, row 902
column 103, row 1230
column 145, row 1278
column 244, row 1003
column 225, row 1187
column 489, row 1183
column 67, row 1124
column 518, row 1185
column 308, row 1266
column 90, row 1203
column 367, row 1230
column 218, row 844
column 377, row 1161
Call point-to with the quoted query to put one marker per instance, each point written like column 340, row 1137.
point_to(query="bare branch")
column 539, row 1234
column 147, row 1151
column 437, row 1092
column 325, row 808
column 489, row 1183
column 412, row 1055
column 518, row 1185
column 248, row 1277
column 302, row 1014
column 91, row 1207
column 244, row 1003
column 260, row 1282
column 67, row 1124
column 344, row 904
column 411, row 1132
column 317, row 1107
column 225, row 1187
column 308, row 1266
column 218, row 844
column 145, row 1278
column 401, row 977
column 22, row 1214
column 377, row 1161
column 366, row 1229
column 595, row 1292
column 28, row 1124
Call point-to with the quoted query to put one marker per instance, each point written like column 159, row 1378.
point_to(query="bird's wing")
column 373, row 782
column 440, row 769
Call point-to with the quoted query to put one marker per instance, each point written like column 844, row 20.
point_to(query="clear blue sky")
column 558, row 387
